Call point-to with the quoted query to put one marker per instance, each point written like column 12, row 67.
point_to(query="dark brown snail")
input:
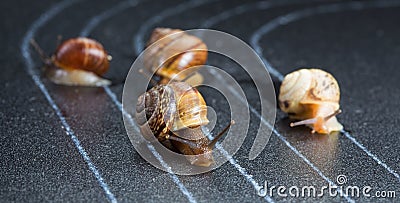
column 175, row 113
column 187, row 51
column 77, row 61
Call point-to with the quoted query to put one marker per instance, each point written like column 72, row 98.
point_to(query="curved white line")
column 239, row 10
column 263, row 5
column 348, row 135
column 42, row 20
column 107, row 14
column 233, row 162
column 139, row 37
column 297, row 152
column 171, row 173
column 174, row 177
column 331, row 8
column 95, row 21
column 139, row 45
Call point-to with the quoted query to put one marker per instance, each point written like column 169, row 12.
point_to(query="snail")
column 312, row 96
column 78, row 61
column 175, row 113
column 177, row 51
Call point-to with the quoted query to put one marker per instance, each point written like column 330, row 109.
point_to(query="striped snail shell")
column 175, row 114
column 77, row 61
column 311, row 95
column 177, row 51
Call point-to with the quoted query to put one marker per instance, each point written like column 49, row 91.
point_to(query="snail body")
column 312, row 96
column 177, row 51
column 175, row 113
column 78, row 61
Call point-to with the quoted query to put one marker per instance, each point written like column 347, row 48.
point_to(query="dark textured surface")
column 39, row 161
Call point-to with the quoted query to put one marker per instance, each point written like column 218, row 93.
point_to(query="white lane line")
column 236, row 11
column 348, row 135
column 263, row 5
column 300, row 14
column 241, row 170
column 42, row 20
column 107, row 14
column 139, row 46
column 174, row 177
column 93, row 22
column 147, row 25
column 171, row 173
column 297, row 152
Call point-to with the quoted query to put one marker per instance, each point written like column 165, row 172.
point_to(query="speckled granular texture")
column 39, row 161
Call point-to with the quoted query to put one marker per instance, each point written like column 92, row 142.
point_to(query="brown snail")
column 312, row 96
column 177, row 51
column 78, row 61
column 175, row 113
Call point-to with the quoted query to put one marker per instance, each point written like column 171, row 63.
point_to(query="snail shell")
column 82, row 54
column 311, row 95
column 77, row 61
column 174, row 114
column 177, row 51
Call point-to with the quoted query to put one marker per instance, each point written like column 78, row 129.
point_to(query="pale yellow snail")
column 311, row 96
column 174, row 51
column 175, row 113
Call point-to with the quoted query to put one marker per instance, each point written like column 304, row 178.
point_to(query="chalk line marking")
column 93, row 22
column 139, row 46
column 300, row 14
column 297, row 152
column 239, row 10
column 173, row 176
column 233, row 162
column 42, row 20
column 139, row 37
